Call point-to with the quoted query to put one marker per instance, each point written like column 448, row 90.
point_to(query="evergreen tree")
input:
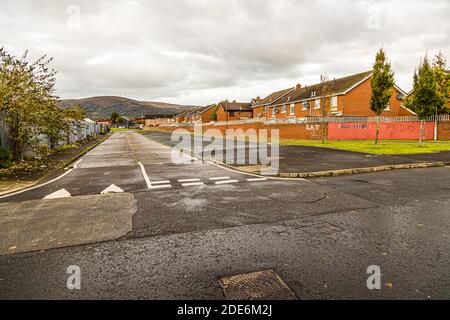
column 382, row 87
column 424, row 100
column 442, row 78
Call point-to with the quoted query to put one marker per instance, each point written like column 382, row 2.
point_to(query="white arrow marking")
column 112, row 189
column 63, row 193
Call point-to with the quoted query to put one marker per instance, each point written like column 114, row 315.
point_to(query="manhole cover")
column 263, row 285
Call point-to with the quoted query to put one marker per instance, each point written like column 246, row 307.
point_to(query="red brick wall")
column 340, row 131
column 258, row 112
column 286, row 131
column 388, row 131
column 444, row 131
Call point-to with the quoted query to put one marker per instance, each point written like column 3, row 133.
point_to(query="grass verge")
column 394, row 147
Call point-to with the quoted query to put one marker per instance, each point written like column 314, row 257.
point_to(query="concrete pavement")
column 46, row 224
column 319, row 235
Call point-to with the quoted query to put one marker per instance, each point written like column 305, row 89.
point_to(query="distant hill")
column 102, row 107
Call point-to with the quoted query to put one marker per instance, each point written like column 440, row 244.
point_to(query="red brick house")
column 230, row 111
column 261, row 106
column 348, row 96
column 205, row 114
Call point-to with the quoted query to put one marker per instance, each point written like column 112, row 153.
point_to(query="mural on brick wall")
column 388, row 131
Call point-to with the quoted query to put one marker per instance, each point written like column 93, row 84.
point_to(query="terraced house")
column 231, row 111
column 348, row 96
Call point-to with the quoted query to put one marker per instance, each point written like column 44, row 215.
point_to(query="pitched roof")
column 273, row 97
column 185, row 112
column 337, row 86
column 236, row 106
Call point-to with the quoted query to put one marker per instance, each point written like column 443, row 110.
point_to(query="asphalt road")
column 295, row 159
column 190, row 228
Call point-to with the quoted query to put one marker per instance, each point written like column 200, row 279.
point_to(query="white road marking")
column 75, row 166
column 193, row 184
column 160, row 187
column 219, row 178
column 63, row 193
column 144, row 173
column 41, row 185
column 160, row 182
column 112, row 189
column 255, row 175
column 227, row 182
column 256, row 179
column 188, row 180
column 233, row 170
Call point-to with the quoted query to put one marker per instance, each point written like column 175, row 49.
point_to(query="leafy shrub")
column 5, row 158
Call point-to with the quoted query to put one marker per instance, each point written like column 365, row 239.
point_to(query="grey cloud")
column 201, row 51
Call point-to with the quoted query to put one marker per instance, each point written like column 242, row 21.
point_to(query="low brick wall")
column 286, row 131
column 444, row 131
column 338, row 131
column 388, row 131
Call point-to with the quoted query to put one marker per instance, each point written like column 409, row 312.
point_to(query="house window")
column 231, row 113
column 334, row 103
column 283, row 109
column 266, row 108
column 274, row 111
column 292, row 108
column 305, row 105
column 317, row 104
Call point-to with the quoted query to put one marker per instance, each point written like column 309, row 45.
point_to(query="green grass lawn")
column 125, row 129
column 384, row 147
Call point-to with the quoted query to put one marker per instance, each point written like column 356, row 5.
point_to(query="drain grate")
column 262, row 285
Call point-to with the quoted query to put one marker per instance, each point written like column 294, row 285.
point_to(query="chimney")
column 298, row 86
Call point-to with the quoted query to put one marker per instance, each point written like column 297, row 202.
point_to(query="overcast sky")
column 203, row 51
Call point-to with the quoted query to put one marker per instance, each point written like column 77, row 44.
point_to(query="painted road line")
column 256, row 179
column 227, row 182
column 160, row 187
column 222, row 166
column 75, row 166
column 63, row 193
column 144, row 173
column 219, row 178
column 193, row 184
column 160, row 182
column 188, row 180
column 41, row 185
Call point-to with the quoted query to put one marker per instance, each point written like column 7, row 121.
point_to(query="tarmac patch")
column 47, row 224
